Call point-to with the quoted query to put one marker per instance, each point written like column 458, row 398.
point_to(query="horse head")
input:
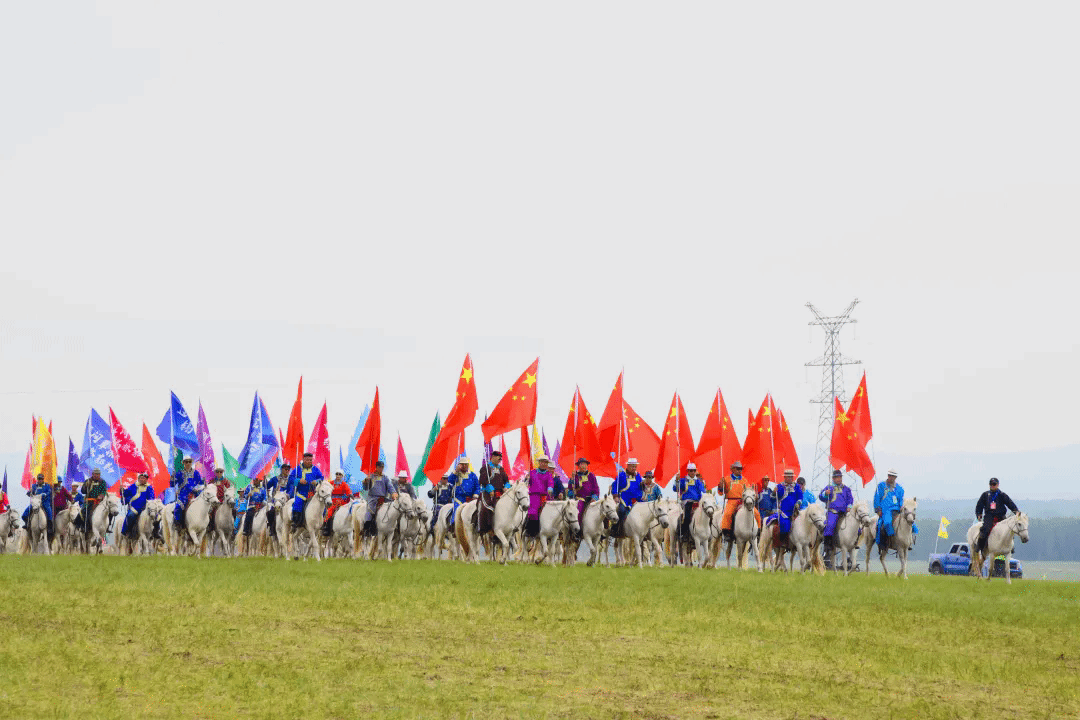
column 749, row 498
column 324, row 491
column 35, row 503
column 230, row 496
column 708, row 504
column 1020, row 526
column 570, row 514
column 113, row 504
column 405, row 505
column 816, row 513
column 609, row 508
column 659, row 513
column 908, row 511
column 154, row 509
column 862, row 515
column 209, row 495
column 73, row 511
column 521, row 495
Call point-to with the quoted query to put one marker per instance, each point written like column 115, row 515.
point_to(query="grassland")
column 168, row 637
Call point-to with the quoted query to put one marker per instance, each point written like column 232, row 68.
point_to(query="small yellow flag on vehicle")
column 943, row 531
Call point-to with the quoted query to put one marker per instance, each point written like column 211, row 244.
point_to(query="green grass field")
column 101, row 637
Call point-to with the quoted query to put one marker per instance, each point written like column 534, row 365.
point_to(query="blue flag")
column 351, row 466
column 97, row 452
column 5, row 480
column 183, row 430
column 73, row 473
column 164, row 428
column 262, row 442
column 341, row 458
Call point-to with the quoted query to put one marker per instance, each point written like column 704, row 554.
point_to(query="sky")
column 217, row 198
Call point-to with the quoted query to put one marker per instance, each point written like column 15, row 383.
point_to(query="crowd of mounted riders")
column 544, row 516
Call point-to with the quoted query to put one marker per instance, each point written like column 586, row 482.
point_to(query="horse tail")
column 817, row 563
column 459, row 533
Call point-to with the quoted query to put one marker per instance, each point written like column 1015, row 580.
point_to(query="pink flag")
column 128, row 455
column 27, row 473
column 319, row 444
column 402, row 462
column 205, row 463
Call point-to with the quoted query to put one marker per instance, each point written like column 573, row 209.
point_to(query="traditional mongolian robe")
column 341, row 496
column 584, row 486
column 493, row 483
column 888, row 500
column 733, row 500
column 61, row 497
column 45, row 491
column 382, row 488
column 541, row 488
column 136, row 499
column 788, row 497
column 465, row 485
column 838, row 501
column 302, row 484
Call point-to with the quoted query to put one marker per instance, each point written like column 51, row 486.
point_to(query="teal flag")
column 420, row 478
column 232, row 470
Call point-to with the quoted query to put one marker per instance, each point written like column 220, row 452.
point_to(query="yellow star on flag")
column 466, row 374
column 530, row 379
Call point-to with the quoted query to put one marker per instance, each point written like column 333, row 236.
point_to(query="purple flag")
column 5, row 480
column 73, row 473
column 205, row 463
column 555, row 460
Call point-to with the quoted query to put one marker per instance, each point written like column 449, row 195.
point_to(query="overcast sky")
column 215, row 198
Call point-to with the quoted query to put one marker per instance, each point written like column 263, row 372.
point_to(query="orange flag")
column 155, row 465
column 517, row 409
column 367, row 445
column 718, row 445
column 293, row 452
column 580, row 440
column 644, row 442
column 451, row 436
column 676, row 444
column 859, row 414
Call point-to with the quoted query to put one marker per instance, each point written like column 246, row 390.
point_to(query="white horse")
column 149, row 519
column 745, row 529
column 592, row 525
column 224, row 528
column 556, row 518
column 343, row 530
column 465, row 531
column 37, row 526
column 197, row 518
column 704, row 528
column 901, row 539
column 107, row 509
column 386, row 524
column 639, row 522
column 66, row 535
column 668, row 537
column 261, row 539
column 807, row 533
column 314, row 511
column 508, row 518
column 442, row 535
column 9, row 522
column 999, row 542
column 412, row 530
column 857, row 522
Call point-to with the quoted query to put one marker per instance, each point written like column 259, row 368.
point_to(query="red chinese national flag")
column 845, row 449
column 367, row 445
column 292, row 450
column 676, row 444
column 128, row 456
column 523, row 462
column 859, row 414
column 787, row 457
column 759, row 451
column 450, row 439
column 718, row 447
column 644, row 442
column 612, row 430
column 155, row 464
column 319, row 444
column 580, row 440
column 517, row 409
column 402, row 461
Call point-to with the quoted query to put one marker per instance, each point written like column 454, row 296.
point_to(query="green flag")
column 420, row 478
column 178, row 461
column 232, row 470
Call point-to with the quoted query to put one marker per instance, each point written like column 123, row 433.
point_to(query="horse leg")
column 903, row 561
column 881, row 555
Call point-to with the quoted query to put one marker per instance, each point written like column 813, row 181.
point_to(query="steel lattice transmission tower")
column 832, row 364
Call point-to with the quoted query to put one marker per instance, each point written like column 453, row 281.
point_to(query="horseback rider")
column 689, row 488
column 888, row 501
column 441, row 494
column 279, row 481
column 649, row 489
column 838, row 500
column 136, row 496
column 465, row 485
column 187, row 483
column 94, row 491
column 991, row 510
column 380, row 489
column 627, row 491
column 301, row 486
column 42, row 489
column 733, row 491
column 403, row 484
column 255, row 496
column 788, row 496
column 808, row 498
column 541, row 489
column 62, row 497
column 584, row 486
column 341, row 496
column 220, row 482
column 493, row 483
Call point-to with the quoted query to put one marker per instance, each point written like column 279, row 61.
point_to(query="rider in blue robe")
column 45, row 490
column 465, row 484
column 689, row 489
column 187, row 491
column 442, row 494
column 788, row 496
column 627, row 488
column 136, row 496
column 889, row 498
column 838, row 500
column 303, row 481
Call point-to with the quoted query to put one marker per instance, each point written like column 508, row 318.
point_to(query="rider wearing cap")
column 380, row 489
column 627, row 491
column 188, row 483
column 733, row 492
column 991, row 510
column 404, row 486
column 255, row 495
column 341, row 495
column 689, row 488
column 493, row 482
column 41, row 488
column 584, row 486
column 788, row 496
column 889, row 499
column 838, row 500
column 465, row 486
column 61, row 496
column 649, row 489
column 303, row 481
column 441, row 494
column 94, row 491
column 541, row 489
column 136, row 496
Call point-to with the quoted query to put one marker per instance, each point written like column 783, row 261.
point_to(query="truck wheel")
column 936, row 569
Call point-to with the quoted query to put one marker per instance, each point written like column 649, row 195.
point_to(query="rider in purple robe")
column 541, row 487
column 837, row 499
column 583, row 486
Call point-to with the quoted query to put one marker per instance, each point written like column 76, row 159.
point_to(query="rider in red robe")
column 341, row 496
